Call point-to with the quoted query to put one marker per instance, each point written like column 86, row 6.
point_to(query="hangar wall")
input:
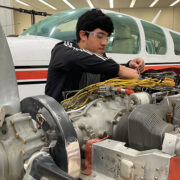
column 23, row 21
column 168, row 17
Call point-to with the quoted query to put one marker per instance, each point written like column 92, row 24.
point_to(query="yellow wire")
column 84, row 94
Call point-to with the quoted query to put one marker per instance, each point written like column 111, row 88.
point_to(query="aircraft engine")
column 45, row 139
column 124, row 115
column 139, row 119
column 99, row 119
column 133, row 119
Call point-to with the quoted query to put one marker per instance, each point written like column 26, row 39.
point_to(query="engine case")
column 19, row 139
column 98, row 118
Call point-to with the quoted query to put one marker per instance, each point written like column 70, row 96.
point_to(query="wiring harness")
column 114, row 85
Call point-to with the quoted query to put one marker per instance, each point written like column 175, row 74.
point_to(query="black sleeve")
column 67, row 57
column 127, row 64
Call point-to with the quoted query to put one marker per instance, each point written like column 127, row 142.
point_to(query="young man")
column 75, row 65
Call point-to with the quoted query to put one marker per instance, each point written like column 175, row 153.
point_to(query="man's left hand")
column 137, row 63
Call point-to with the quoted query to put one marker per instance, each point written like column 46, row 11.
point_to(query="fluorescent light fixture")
column 69, row 4
column 132, row 3
column 174, row 3
column 90, row 3
column 23, row 3
column 111, row 3
column 153, row 3
column 47, row 4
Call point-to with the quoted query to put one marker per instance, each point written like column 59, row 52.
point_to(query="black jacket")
column 72, row 68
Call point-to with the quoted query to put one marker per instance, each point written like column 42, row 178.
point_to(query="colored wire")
column 83, row 95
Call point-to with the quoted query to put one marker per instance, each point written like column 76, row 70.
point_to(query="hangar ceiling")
column 60, row 5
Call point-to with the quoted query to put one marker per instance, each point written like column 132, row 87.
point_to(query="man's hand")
column 127, row 73
column 138, row 64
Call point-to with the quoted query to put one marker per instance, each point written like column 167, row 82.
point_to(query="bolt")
column 17, row 135
column 81, row 126
column 22, row 152
column 92, row 135
column 24, row 140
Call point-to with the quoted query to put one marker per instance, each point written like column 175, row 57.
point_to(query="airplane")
column 132, row 37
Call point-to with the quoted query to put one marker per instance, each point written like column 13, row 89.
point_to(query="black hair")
column 92, row 20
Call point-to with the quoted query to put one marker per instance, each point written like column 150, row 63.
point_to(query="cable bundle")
column 83, row 95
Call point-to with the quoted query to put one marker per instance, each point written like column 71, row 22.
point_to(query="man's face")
column 96, row 41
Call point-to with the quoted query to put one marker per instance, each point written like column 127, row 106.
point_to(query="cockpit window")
column 176, row 40
column 155, row 39
column 60, row 26
column 125, row 39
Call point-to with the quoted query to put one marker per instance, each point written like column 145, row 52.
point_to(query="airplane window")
column 125, row 39
column 155, row 39
column 60, row 26
column 176, row 40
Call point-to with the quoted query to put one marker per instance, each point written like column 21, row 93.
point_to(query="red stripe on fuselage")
column 162, row 67
column 42, row 74
column 33, row 74
column 175, row 68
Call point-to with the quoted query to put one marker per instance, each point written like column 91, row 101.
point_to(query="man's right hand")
column 127, row 73
column 137, row 63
